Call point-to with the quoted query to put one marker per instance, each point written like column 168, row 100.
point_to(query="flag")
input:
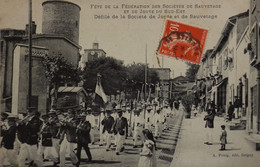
column 100, row 96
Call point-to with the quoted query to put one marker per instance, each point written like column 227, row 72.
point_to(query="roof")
column 227, row 28
column 60, row 1
column 35, row 36
column 207, row 53
column 160, row 69
column 180, row 79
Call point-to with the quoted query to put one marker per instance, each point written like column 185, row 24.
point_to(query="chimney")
column 95, row 45
column 33, row 28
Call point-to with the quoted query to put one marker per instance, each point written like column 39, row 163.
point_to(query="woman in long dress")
column 147, row 156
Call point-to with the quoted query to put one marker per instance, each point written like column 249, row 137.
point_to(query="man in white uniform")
column 158, row 120
column 138, row 128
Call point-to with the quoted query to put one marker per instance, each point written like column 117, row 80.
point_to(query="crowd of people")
column 33, row 138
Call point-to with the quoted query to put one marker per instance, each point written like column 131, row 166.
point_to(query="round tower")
column 62, row 18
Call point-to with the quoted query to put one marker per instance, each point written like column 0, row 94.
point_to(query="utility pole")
column 145, row 79
column 30, row 56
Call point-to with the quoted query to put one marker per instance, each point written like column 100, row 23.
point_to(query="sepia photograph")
column 129, row 83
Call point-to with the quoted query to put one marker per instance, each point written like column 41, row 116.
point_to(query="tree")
column 192, row 71
column 59, row 71
column 188, row 101
column 136, row 77
column 112, row 72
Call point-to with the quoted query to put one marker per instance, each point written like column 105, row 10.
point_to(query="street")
column 130, row 157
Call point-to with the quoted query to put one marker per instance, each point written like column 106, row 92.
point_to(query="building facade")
column 164, row 83
column 58, row 37
column 91, row 54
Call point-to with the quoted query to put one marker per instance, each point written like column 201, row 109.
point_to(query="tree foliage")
column 136, row 73
column 59, row 71
column 192, row 71
column 112, row 72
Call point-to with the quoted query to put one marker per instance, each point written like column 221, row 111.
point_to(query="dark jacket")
column 83, row 130
column 120, row 126
column 46, row 136
column 8, row 137
column 55, row 128
column 231, row 109
column 69, row 128
column 108, row 124
column 22, row 133
column 209, row 120
column 33, row 127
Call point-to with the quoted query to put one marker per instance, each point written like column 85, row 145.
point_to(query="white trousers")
column 138, row 131
column 63, row 148
column 209, row 135
column 158, row 129
column 102, row 136
column 9, row 155
column 48, row 152
column 108, row 138
column 56, row 145
column 91, row 135
column 29, row 152
column 17, row 146
column 120, row 140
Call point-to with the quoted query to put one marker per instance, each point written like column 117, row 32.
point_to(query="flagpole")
column 145, row 79
column 30, row 56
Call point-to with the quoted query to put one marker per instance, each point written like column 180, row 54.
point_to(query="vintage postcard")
column 169, row 83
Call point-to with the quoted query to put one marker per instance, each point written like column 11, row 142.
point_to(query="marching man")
column 7, row 144
column 148, row 118
column 158, row 120
column 90, row 118
column 120, row 128
column 127, row 115
column 101, row 127
column 138, row 128
column 31, row 126
column 108, row 122
column 45, row 145
column 83, row 129
column 68, row 137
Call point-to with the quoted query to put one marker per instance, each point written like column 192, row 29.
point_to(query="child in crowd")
column 147, row 156
column 223, row 138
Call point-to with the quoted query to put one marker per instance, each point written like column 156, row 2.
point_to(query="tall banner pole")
column 30, row 56
column 145, row 80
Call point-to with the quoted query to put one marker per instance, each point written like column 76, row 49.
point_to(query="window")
column 231, row 58
column 225, row 59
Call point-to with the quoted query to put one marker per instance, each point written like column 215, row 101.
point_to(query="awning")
column 222, row 82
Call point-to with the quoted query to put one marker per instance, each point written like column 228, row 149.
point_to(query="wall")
column 62, row 18
column 20, row 79
column 58, row 45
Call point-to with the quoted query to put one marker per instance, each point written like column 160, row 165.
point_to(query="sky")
column 126, row 39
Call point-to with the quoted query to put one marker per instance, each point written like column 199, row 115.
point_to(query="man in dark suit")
column 108, row 122
column 83, row 130
column 7, row 143
column 32, row 126
column 231, row 110
column 68, row 137
column 55, row 130
column 120, row 128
